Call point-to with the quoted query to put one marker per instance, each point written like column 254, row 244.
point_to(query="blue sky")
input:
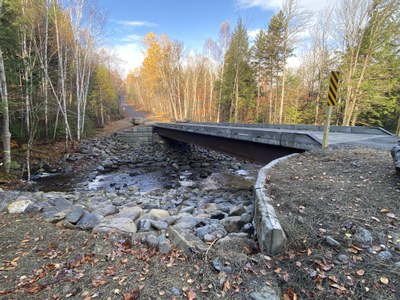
column 189, row 21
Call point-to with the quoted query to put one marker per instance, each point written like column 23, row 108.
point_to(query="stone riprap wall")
column 188, row 215
column 395, row 152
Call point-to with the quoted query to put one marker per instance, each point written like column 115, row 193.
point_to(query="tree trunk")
column 6, row 121
column 46, row 94
column 282, row 93
column 398, row 127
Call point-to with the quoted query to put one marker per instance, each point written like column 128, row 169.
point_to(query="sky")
column 189, row 21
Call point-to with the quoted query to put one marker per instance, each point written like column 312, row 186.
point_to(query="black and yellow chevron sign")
column 333, row 85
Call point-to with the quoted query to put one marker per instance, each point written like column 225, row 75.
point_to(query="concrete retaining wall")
column 271, row 236
column 138, row 135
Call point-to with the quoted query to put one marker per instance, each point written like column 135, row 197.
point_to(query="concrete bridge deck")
column 264, row 142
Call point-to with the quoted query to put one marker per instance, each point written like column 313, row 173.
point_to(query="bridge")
column 266, row 142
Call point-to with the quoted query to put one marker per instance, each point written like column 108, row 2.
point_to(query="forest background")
column 58, row 82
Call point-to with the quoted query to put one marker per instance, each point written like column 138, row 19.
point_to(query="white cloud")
column 313, row 5
column 132, row 38
column 137, row 23
column 263, row 4
column 253, row 33
column 130, row 56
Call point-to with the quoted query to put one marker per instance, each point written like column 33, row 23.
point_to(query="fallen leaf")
column 391, row 215
column 384, row 280
column 290, row 295
column 376, row 219
column 360, row 272
column 97, row 283
column 134, row 295
column 384, row 210
column 227, row 286
column 191, row 295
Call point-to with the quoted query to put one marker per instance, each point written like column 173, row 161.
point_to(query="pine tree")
column 238, row 84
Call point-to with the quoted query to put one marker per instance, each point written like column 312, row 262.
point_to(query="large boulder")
column 395, row 152
column 121, row 225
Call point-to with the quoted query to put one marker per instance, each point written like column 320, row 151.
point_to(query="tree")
column 6, row 135
column 238, row 83
column 366, row 29
column 6, row 121
column 295, row 22
column 224, row 40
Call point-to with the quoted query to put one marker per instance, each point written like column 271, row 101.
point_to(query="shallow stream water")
column 142, row 180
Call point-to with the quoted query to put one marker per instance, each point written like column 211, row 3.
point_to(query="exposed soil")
column 333, row 193
column 316, row 194
column 40, row 261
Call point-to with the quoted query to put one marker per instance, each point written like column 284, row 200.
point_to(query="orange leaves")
column 191, row 295
column 134, row 295
column 290, row 295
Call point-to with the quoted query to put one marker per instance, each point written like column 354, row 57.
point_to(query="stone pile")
column 395, row 152
column 187, row 216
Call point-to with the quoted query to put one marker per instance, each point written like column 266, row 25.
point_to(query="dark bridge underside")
column 257, row 152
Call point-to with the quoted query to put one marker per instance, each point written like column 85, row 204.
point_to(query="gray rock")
column 19, row 206
column 215, row 228
column 89, row 221
column 343, row 258
column 218, row 264
column 188, row 209
column 74, row 215
column 385, row 255
column 209, row 238
column 164, row 247
column 144, row 225
column 332, row 242
column 237, row 211
column 227, row 269
column 152, row 241
column 232, row 224
column 175, row 291
column 159, row 225
column 225, row 206
column 248, row 228
column 246, row 218
column 132, row 213
column 186, row 223
column 120, row 225
column 210, row 207
column 395, row 152
column 186, row 241
column 54, row 215
column 265, row 293
column 106, row 210
column 362, row 237
column 100, row 169
column 158, row 214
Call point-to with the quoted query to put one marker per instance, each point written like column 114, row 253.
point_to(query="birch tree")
column 295, row 22
column 364, row 27
column 6, row 120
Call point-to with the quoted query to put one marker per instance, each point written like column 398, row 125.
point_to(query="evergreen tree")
column 238, row 84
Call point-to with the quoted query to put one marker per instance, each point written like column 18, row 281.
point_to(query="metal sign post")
column 332, row 101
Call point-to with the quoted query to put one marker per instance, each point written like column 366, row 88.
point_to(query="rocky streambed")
column 161, row 194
